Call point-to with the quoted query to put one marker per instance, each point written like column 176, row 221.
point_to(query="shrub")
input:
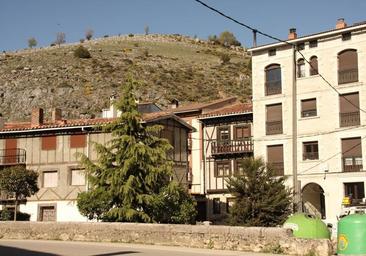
column 82, row 52
column 32, row 42
column 89, row 34
column 6, row 215
column 130, row 35
column 225, row 58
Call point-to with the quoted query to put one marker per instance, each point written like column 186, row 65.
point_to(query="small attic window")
column 272, row 52
column 300, row 46
column 346, row 36
column 313, row 44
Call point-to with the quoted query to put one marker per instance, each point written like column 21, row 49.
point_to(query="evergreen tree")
column 227, row 39
column 260, row 198
column 19, row 182
column 132, row 168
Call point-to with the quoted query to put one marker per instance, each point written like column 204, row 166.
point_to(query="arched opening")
column 313, row 200
column 300, row 68
column 314, row 66
column 347, row 66
column 273, row 79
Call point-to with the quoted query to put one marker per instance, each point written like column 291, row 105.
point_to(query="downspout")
column 203, row 157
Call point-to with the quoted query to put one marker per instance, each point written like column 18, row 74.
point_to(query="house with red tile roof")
column 50, row 146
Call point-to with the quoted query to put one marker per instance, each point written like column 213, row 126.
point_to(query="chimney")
column 341, row 23
column 292, row 34
column 174, row 103
column 37, row 117
column 56, row 115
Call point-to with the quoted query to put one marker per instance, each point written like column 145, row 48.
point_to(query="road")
column 52, row 248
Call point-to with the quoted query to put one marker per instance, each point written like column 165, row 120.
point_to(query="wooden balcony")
column 349, row 119
column 352, row 164
column 12, row 156
column 347, row 76
column 232, row 147
column 273, row 87
column 274, row 127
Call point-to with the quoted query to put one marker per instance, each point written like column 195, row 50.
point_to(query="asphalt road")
column 51, row 248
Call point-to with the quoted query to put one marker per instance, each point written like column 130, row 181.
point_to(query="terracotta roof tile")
column 199, row 106
column 237, row 108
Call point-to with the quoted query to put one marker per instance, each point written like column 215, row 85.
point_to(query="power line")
column 254, row 30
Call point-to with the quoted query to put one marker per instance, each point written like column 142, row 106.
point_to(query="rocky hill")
column 168, row 66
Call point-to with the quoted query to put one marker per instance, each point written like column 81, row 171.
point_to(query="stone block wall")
column 254, row 239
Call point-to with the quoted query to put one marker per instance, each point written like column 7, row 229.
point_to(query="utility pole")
column 254, row 38
column 296, row 183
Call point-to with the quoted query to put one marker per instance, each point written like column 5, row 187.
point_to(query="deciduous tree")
column 32, row 42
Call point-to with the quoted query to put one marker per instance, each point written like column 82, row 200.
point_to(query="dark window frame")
column 272, row 52
column 314, row 70
column 242, row 126
column 313, row 43
column 273, row 86
column 357, row 187
column 216, row 205
column 346, row 36
column 300, row 68
column 310, row 112
column 220, row 129
column 222, row 162
column 313, row 154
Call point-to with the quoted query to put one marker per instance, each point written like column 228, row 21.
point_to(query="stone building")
column 50, row 147
column 304, row 125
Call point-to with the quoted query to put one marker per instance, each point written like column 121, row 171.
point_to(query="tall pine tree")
column 132, row 170
column 260, row 198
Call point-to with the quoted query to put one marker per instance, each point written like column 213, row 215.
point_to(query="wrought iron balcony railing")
column 273, row 87
column 12, row 156
column 352, row 164
column 347, row 76
column 274, row 127
column 232, row 146
column 349, row 119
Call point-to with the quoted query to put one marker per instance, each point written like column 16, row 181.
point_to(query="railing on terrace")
column 273, row 87
column 232, row 146
column 349, row 119
column 352, row 164
column 12, row 156
column 274, row 127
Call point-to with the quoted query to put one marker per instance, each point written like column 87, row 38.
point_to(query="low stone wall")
column 274, row 240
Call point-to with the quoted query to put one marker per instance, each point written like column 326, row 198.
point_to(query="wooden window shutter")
column 49, row 143
column 77, row 141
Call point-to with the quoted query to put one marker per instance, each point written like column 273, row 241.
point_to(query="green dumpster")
column 352, row 235
column 307, row 226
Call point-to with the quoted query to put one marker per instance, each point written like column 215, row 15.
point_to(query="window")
column 77, row 177
column 11, row 151
column 355, row 190
column 300, row 46
column 273, row 79
column 223, row 133
column 229, row 203
column 308, row 108
column 301, row 68
column 352, row 154
column 274, row 119
column 272, row 52
column 313, row 44
column 242, row 132
column 275, row 159
column 50, row 179
column 223, row 169
column 216, row 209
column 77, row 141
column 346, row 36
column 49, row 143
column 46, row 212
column 310, row 150
column 239, row 167
column 349, row 112
column 347, row 66
column 314, row 66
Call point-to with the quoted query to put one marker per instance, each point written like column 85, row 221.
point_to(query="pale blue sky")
column 21, row 19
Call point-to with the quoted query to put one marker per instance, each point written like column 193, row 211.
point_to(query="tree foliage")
column 19, row 182
column 60, row 38
column 228, row 39
column 132, row 173
column 82, row 52
column 32, row 42
column 89, row 34
column 260, row 198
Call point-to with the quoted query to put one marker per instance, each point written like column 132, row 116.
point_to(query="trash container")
column 352, row 235
column 307, row 226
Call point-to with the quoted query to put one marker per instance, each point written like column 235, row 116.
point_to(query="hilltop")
column 168, row 66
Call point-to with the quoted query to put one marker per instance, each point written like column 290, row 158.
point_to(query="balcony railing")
column 347, row 76
column 352, row 164
column 349, row 119
column 274, row 127
column 307, row 113
column 232, row 146
column 12, row 156
column 278, row 168
column 273, row 87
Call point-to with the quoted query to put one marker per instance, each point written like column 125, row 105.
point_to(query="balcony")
column 349, row 119
column 232, row 147
column 278, row 168
column 12, row 156
column 273, row 87
column 347, row 76
column 352, row 164
column 274, row 127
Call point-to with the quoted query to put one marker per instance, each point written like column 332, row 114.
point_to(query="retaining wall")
column 199, row 236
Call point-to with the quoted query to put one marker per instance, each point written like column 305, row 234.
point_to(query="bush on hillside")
column 82, row 53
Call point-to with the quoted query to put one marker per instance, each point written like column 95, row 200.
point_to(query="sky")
column 43, row 19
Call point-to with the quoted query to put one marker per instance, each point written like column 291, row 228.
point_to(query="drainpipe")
column 203, row 146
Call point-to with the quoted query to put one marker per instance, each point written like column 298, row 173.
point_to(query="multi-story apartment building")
column 305, row 127
column 50, row 149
